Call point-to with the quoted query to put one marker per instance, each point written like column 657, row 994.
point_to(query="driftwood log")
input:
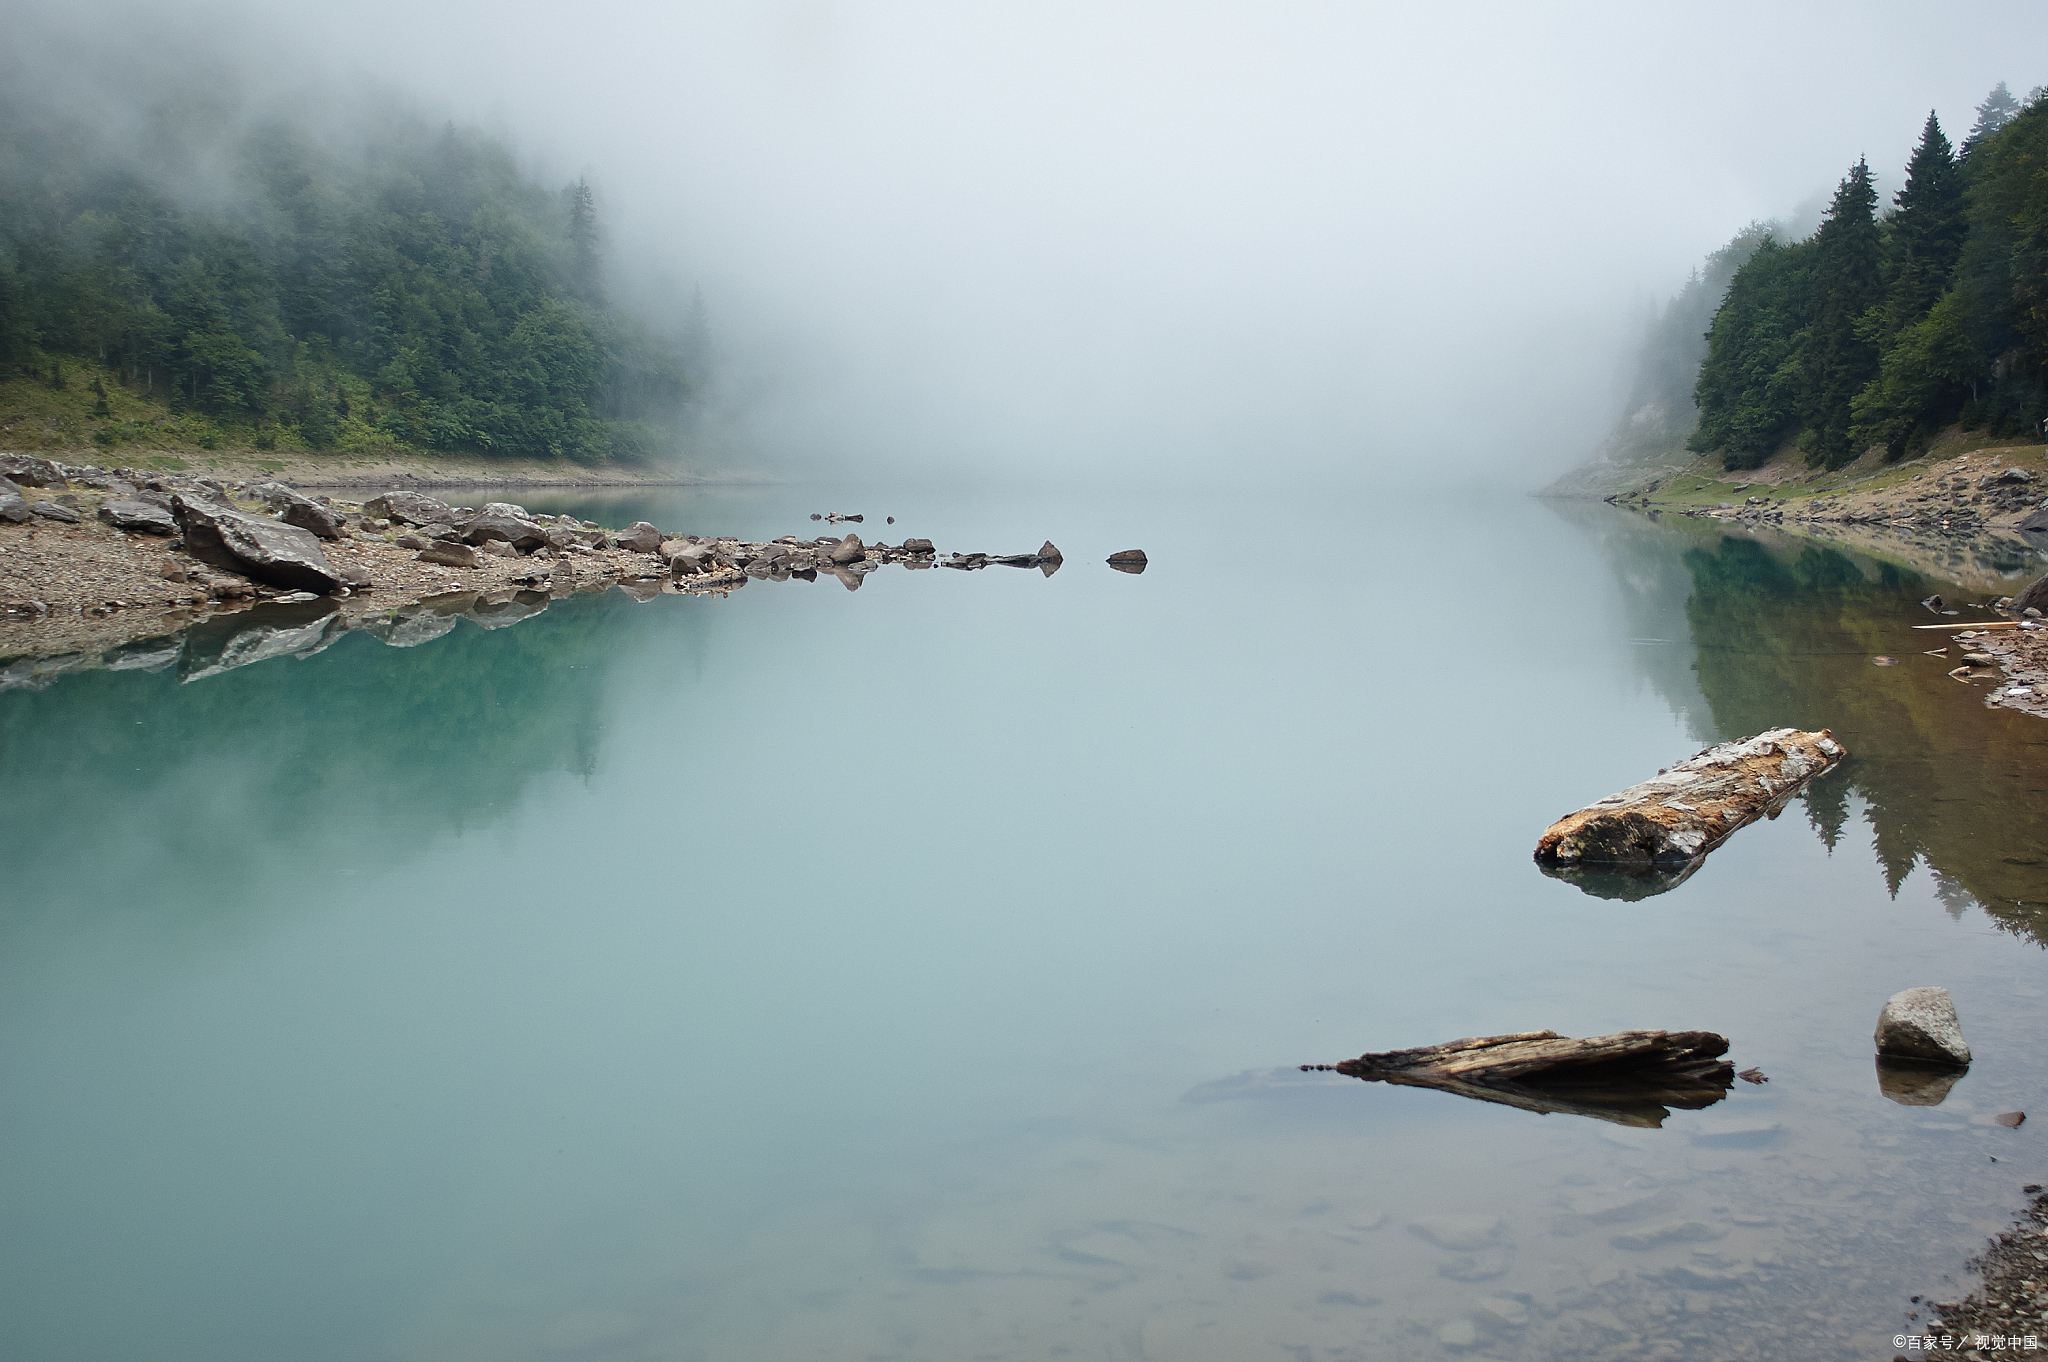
column 1631, row 1077
column 1663, row 828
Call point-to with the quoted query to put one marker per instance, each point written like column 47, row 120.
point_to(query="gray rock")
column 294, row 508
column 640, row 537
column 1920, row 1023
column 30, row 472
column 299, row 630
column 412, row 541
column 144, row 517
column 497, row 548
column 282, row 555
column 849, row 550
column 918, row 546
column 1129, row 560
column 14, row 507
column 410, row 508
column 1049, row 551
column 448, row 555
column 496, row 522
column 2035, row 596
column 56, row 510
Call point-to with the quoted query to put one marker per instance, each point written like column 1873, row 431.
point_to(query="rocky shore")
column 2009, row 1312
column 116, row 568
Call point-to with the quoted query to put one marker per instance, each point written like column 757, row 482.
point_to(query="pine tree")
column 1927, row 230
column 584, row 264
column 1994, row 113
column 1841, row 354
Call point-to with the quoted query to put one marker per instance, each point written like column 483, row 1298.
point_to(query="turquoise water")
column 807, row 974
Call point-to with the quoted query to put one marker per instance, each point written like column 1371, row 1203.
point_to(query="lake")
column 918, row 972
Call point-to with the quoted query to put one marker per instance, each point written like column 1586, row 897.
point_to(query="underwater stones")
column 1911, row 1083
column 1921, row 1024
column 1461, row 1232
column 282, row 555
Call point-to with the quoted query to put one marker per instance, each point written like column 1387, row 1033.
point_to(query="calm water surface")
column 815, row 975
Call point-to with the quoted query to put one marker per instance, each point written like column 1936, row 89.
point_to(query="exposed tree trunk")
column 1667, row 824
column 1630, row 1077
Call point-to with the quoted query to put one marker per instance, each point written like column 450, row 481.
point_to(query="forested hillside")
column 1882, row 329
column 261, row 285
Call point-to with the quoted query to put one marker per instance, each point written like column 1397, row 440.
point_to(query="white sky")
column 1152, row 239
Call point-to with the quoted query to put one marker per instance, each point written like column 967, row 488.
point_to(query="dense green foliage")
column 411, row 290
column 1883, row 330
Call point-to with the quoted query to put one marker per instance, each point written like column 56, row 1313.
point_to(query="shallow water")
column 807, row 974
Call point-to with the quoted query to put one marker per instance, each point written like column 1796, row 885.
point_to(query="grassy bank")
column 81, row 412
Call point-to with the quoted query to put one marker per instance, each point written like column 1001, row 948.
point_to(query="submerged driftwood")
column 1663, row 828
column 1631, row 1077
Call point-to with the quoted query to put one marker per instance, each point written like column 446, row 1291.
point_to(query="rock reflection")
column 1916, row 1085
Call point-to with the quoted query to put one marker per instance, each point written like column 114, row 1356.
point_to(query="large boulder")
column 918, row 546
column 1920, row 1023
column 849, row 550
column 257, row 546
column 496, row 521
column 295, row 508
column 14, row 507
column 640, row 537
column 30, row 472
column 2035, row 596
column 57, row 511
column 143, row 517
column 410, row 508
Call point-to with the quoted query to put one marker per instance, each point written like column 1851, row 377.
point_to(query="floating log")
column 1631, row 1078
column 1663, row 828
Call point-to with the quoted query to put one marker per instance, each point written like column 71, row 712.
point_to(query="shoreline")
column 342, row 470
column 98, row 571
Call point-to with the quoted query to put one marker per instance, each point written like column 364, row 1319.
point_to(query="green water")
column 808, row 974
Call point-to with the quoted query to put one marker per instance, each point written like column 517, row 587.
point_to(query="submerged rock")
column 283, row 555
column 1921, row 1024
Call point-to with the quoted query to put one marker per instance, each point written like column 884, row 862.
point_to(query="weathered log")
column 1670, row 822
column 1630, row 1077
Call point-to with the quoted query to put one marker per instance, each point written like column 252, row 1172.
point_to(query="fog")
column 1147, row 240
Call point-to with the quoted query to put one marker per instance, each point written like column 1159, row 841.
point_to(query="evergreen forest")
column 258, row 284
column 1882, row 329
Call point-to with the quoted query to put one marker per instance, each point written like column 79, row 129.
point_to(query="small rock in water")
column 1885, row 661
column 1921, row 1023
column 816, row 516
column 2010, row 1119
column 1129, row 560
column 1753, row 1076
column 892, row 520
column 1914, row 1083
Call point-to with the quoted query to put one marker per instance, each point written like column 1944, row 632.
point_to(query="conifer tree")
column 1994, row 113
column 1927, row 230
column 1841, row 354
column 583, row 262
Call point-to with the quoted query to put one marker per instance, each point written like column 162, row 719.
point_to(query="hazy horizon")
column 1191, row 242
